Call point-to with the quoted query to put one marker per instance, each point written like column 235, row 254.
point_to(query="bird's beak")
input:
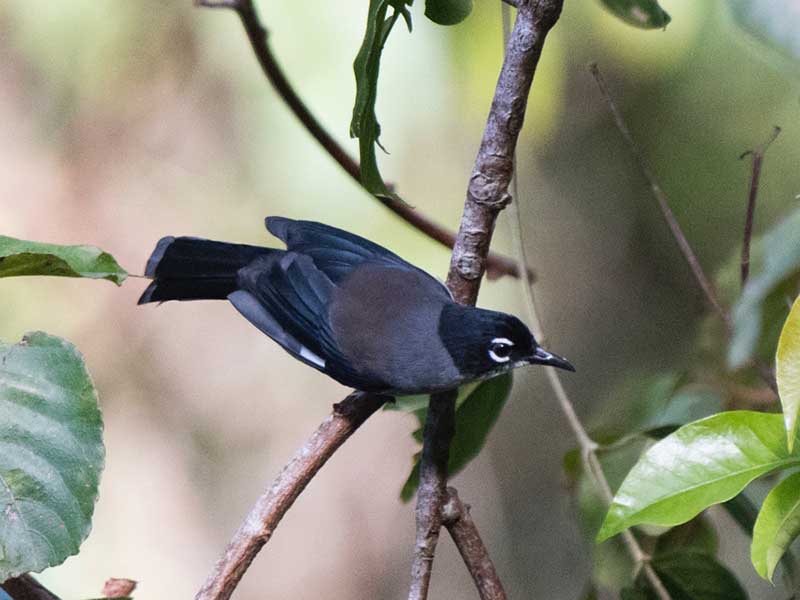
column 543, row 357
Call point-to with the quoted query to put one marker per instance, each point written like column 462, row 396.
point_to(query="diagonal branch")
column 757, row 157
column 456, row 517
column 498, row 265
column 26, row 587
column 259, row 525
column 487, row 195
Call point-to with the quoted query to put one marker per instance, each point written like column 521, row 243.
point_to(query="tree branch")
column 26, row 587
column 456, row 517
column 498, row 265
column 487, row 195
column 661, row 199
column 757, row 156
column 259, row 525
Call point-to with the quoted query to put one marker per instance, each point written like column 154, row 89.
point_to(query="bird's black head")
column 484, row 343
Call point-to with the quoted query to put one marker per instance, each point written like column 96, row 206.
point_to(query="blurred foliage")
column 646, row 14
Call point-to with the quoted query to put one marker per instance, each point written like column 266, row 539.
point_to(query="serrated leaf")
column 646, row 14
column 447, row 12
column 691, row 575
column 51, row 453
column 22, row 257
column 774, row 23
column 366, row 67
column 779, row 250
column 787, row 370
column 702, row 463
column 475, row 417
column 777, row 526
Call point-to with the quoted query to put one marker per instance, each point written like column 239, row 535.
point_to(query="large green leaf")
column 366, row 66
column 447, row 12
column 51, row 453
column 787, row 370
column 777, row 526
column 691, row 575
column 21, row 257
column 702, row 463
column 646, row 14
column 475, row 417
column 777, row 259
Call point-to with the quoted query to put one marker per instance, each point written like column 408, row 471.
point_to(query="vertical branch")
column 757, row 157
column 487, row 195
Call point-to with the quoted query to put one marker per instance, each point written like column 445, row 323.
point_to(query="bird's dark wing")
column 336, row 252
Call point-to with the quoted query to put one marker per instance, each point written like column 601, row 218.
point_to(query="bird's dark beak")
column 543, row 357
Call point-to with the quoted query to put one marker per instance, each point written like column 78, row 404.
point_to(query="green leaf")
column 691, row 575
column 366, row 66
column 774, row 23
column 777, row 526
column 702, row 463
column 778, row 251
column 475, row 418
column 447, row 12
column 787, row 370
column 697, row 535
column 51, row 453
column 646, row 14
column 21, row 257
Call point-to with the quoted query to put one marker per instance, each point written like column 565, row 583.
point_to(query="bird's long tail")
column 188, row 268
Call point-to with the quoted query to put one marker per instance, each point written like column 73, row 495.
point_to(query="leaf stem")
column 757, row 157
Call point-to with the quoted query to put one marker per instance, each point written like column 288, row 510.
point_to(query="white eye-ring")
column 500, row 350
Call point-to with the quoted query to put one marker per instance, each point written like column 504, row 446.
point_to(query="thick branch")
column 456, row 517
column 498, row 266
column 757, row 157
column 487, row 195
column 260, row 524
column 26, row 587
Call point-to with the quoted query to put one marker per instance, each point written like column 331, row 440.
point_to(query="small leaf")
column 51, row 453
column 646, row 14
column 779, row 252
column 702, row 463
column 21, row 257
column 697, row 535
column 777, row 526
column 787, row 370
column 691, row 575
column 475, row 417
column 447, row 12
column 366, row 66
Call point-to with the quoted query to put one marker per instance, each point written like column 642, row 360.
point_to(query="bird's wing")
column 336, row 252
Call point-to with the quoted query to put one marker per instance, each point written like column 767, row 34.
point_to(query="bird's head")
column 484, row 343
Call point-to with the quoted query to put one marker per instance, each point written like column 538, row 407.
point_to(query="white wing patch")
column 311, row 357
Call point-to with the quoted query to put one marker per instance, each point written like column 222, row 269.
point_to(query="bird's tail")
column 188, row 268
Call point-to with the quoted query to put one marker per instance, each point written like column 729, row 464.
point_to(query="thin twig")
column 456, row 517
column 260, row 524
column 257, row 34
column 757, row 157
column 661, row 198
column 26, row 587
column 487, row 195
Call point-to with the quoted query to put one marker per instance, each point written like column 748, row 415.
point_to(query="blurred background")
column 126, row 121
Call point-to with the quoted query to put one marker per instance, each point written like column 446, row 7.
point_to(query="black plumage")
column 347, row 307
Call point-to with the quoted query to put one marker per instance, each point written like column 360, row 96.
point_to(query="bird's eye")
column 500, row 350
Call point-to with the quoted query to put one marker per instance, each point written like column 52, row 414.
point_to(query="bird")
column 347, row 307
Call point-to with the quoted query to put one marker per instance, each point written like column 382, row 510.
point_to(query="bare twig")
column 661, row 198
column 260, row 524
column 498, row 265
column 487, row 195
column 456, row 517
column 757, row 157
column 26, row 587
